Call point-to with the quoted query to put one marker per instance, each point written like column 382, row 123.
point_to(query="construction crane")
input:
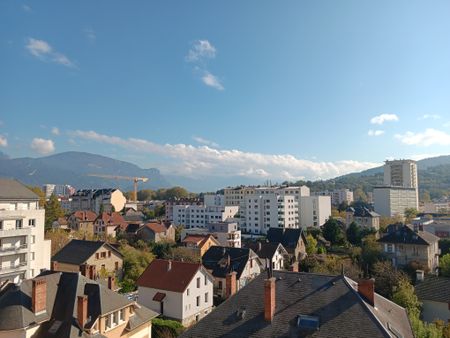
column 134, row 179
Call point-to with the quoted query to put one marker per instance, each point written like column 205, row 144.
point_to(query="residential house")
column 298, row 304
column 226, row 233
column 95, row 259
column 178, row 290
column 363, row 217
column 68, row 305
column 61, row 223
column 108, row 224
column 274, row 253
column 82, row 221
column 231, row 266
column 157, row 232
column 199, row 243
column 434, row 294
column 23, row 250
column 404, row 244
column 293, row 240
column 134, row 216
column 98, row 200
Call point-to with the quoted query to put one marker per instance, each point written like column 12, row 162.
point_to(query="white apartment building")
column 94, row 199
column 214, row 200
column 58, row 190
column 226, row 233
column 169, row 205
column 338, row 196
column 198, row 216
column 23, row 250
column 315, row 210
column 400, row 188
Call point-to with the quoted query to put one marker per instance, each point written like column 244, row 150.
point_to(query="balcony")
column 25, row 231
column 12, row 249
column 12, row 267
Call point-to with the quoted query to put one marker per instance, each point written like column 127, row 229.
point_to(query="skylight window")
column 308, row 322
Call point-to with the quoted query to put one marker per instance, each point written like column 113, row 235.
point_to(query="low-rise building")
column 293, row 241
column 363, row 217
column 23, row 250
column 434, row 294
column 405, row 245
column 298, row 304
column 82, row 221
column 222, row 261
column 98, row 200
column 68, row 305
column 199, row 243
column 108, row 224
column 156, row 232
column 61, row 223
column 274, row 253
column 178, row 290
column 226, row 233
column 94, row 259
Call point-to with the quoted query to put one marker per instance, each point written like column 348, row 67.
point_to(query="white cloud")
column 26, row 8
column 201, row 49
column 380, row 119
column 3, row 141
column 43, row 146
column 203, row 160
column 43, row 51
column 55, row 131
column 90, row 34
column 202, row 140
column 375, row 132
column 430, row 117
column 426, row 138
column 212, row 81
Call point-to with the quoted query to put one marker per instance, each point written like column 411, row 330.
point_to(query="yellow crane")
column 134, row 179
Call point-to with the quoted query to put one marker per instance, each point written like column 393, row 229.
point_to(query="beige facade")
column 403, row 254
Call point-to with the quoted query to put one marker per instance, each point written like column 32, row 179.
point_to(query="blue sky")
column 260, row 89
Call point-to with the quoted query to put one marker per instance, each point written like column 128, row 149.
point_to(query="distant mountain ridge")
column 74, row 168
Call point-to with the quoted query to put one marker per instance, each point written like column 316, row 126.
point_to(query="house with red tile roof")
column 178, row 290
column 83, row 221
column 107, row 224
column 199, row 243
column 157, row 232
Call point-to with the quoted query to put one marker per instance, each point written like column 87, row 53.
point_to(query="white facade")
column 227, row 234
column 315, row 210
column 338, row 196
column 211, row 200
column 198, row 216
column 401, row 173
column 189, row 306
column 392, row 201
column 23, row 250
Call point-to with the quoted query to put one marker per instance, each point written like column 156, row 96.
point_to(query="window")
column 251, row 263
column 187, row 291
column 198, row 282
column 220, row 285
column 206, row 297
column 206, row 280
column 18, row 224
column 32, row 222
column 122, row 315
column 116, row 266
column 33, row 239
column 389, row 248
column 109, row 253
column 1, row 225
column 198, row 300
column 108, row 322
column 116, row 318
column 97, row 255
column 31, row 256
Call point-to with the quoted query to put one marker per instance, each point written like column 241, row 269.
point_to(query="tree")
column 184, row 255
column 53, row 211
column 146, row 195
column 178, row 231
column 410, row 213
column 311, row 244
column 404, row 296
column 134, row 263
column 354, row 234
column 444, row 263
column 38, row 191
column 360, row 195
column 332, row 231
column 59, row 238
column 387, row 278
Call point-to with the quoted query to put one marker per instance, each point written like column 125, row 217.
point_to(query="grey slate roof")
column 364, row 212
column 403, row 234
column 434, row 288
column 78, row 251
column 267, row 249
column 62, row 291
column 288, row 237
column 14, row 190
column 340, row 309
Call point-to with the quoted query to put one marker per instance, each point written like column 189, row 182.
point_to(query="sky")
column 254, row 89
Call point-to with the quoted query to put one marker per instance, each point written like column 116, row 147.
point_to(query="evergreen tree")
column 53, row 210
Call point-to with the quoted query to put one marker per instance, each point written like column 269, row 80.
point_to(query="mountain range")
column 75, row 168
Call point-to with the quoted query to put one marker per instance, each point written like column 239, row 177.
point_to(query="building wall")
column 109, row 262
column 403, row 254
column 315, row 210
column 393, row 201
column 435, row 310
column 23, row 251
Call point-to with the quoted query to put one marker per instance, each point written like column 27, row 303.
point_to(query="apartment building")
column 96, row 199
column 226, row 233
column 315, row 210
column 400, row 189
column 338, row 196
column 198, row 216
column 24, row 252
column 169, row 205
column 63, row 190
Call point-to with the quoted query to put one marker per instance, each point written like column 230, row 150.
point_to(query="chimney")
column 366, row 289
column 294, row 267
column 169, row 265
column 269, row 299
column 420, row 275
column 230, row 284
column 39, row 296
column 82, row 310
column 111, row 282
column 54, row 266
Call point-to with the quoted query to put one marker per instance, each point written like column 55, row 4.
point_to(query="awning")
column 159, row 297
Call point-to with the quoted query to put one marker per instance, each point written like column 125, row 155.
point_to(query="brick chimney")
column 230, row 284
column 54, row 266
column 82, row 310
column 39, row 296
column 366, row 289
column 111, row 282
column 269, row 299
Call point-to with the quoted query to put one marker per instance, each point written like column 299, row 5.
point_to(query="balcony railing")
column 13, row 266
column 13, row 248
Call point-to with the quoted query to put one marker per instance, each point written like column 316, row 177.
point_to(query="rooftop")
column 404, row 234
column 78, row 251
column 14, row 190
column 434, row 288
